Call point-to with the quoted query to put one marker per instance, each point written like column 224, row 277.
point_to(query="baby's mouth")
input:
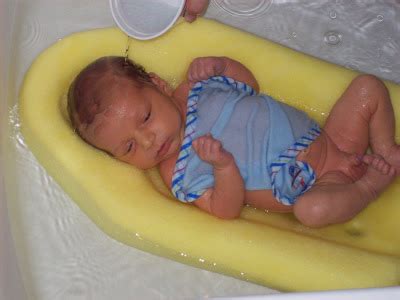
column 164, row 148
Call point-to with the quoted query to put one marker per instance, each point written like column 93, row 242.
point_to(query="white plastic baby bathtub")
column 49, row 249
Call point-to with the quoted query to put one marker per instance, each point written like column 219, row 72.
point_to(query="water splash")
column 128, row 44
column 15, row 124
column 244, row 8
column 32, row 33
column 332, row 38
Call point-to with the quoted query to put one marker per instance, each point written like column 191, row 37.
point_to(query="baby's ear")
column 161, row 84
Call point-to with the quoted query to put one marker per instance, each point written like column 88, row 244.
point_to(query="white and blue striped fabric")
column 191, row 122
column 259, row 132
column 291, row 178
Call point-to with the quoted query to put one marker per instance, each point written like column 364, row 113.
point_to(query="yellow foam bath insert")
column 135, row 208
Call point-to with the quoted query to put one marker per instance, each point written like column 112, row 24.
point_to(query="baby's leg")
column 364, row 116
column 333, row 199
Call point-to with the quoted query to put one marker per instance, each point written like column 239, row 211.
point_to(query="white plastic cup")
column 146, row 19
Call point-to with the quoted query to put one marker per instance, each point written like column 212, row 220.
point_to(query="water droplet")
column 128, row 44
column 384, row 69
column 379, row 18
column 332, row 37
column 351, row 66
column 332, row 14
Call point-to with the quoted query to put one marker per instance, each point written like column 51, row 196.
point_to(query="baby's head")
column 116, row 106
column 88, row 93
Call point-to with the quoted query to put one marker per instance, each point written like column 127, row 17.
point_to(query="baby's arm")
column 203, row 68
column 225, row 200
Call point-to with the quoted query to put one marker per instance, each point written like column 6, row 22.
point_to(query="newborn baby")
column 220, row 144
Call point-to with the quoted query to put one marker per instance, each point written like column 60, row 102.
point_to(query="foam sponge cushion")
column 135, row 208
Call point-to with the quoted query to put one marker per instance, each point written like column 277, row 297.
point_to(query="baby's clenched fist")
column 211, row 150
column 203, row 68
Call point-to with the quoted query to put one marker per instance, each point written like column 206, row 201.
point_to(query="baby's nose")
column 145, row 139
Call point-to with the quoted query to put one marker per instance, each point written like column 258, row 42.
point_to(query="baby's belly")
column 264, row 199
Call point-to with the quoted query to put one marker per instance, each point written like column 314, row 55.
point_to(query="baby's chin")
column 149, row 165
column 144, row 167
column 173, row 151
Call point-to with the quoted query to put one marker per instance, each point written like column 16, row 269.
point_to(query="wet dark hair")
column 85, row 98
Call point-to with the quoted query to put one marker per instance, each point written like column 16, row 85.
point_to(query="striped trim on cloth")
column 191, row 120
column 289, row 156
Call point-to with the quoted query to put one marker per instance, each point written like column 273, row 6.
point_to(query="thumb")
column 190, row 17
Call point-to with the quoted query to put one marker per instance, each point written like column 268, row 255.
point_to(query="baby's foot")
column 379, row 174
column 393, row 158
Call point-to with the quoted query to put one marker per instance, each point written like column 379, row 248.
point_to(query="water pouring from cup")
column 148, row 19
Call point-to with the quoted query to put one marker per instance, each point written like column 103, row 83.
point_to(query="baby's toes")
column 390, row 170
column 371, row 159
column 386, row 169
column 379, row 164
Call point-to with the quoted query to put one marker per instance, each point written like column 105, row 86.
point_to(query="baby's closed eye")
column 147, row 116
column 130, row 147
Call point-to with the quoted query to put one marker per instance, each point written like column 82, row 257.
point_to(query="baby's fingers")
column 202, row 146
column 216, row 147
column 203, row 68
column 198, row 71
column 211, row 151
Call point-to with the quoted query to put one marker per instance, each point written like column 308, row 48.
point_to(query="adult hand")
column 194, row 8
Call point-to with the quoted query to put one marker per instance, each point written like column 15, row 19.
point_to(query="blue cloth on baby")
column 263, row 135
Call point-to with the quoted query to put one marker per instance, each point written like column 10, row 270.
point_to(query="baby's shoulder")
column 182, row 91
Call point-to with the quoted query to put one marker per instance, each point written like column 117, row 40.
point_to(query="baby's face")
column 142, row 127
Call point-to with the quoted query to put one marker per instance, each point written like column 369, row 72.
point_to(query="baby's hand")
column 211, row 150
column 194, row 8
column 204, row 67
